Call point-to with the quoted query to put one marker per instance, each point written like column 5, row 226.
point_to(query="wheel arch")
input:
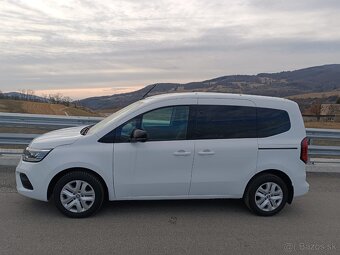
column 278, row 173
column 55, row 179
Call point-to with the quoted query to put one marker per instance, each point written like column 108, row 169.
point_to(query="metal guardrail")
column 55, row 122
column 313, row 134
column 16, row 139
column 40, row 121
column 323, row 134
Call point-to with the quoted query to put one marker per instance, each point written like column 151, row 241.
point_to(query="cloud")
column 103, row 44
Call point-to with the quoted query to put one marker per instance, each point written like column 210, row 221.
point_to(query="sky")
column 89, row 48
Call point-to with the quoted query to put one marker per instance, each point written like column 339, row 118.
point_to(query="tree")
column 45, row 97
column 30, row 94
column 315, row 109
column 66, row 101
column 58, row 98
column 338, row 100
column 26, row 94
column 1, row 95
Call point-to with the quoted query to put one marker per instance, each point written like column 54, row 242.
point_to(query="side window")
column 225, row 122
column 123, row 133
column 168, row 123
column 272, row 122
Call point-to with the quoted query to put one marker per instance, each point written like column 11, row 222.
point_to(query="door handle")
column 206, row 152
column 182, row 153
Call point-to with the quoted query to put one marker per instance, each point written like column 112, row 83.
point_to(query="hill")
column 21, row 96
column 318, row 79
column 19, row 106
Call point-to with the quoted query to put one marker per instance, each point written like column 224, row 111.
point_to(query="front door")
column 159, row 167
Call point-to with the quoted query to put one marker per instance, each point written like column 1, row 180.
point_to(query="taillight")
column 304, row 150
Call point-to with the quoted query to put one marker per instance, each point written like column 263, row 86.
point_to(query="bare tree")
column 30, row 94
column 23, row 95
column 45, row 97
column 67, row 101
column 58, row 98
column 51, row 99
column 315, row 109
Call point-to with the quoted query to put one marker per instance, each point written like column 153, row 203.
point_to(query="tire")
column 78, row 194
column 266, row 195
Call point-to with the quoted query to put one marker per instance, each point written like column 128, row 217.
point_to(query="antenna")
column 149, row 90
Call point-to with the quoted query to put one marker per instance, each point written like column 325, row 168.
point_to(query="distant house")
column 323, row 112
column 330, row 109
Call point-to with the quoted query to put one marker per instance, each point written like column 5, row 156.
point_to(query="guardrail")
column 323, row 134
column 313, row 134
column 55, row 122
column 40, row 121
column 16, row 139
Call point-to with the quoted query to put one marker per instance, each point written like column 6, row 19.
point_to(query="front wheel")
column 78, row 194
column 266, row 195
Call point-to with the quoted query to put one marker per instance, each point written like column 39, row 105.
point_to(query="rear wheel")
column 266, row 195
column 78, row 194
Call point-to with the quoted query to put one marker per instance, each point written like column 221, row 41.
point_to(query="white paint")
column 150, row 170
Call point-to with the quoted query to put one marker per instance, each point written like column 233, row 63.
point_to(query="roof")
column 253, row 98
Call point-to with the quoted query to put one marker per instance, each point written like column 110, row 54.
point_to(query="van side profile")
column 174, row 146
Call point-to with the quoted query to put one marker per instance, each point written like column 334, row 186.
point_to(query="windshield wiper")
column 86, row 129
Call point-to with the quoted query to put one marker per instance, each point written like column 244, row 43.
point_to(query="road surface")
column 311, row 225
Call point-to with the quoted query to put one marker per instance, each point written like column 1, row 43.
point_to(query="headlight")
column 34, row 155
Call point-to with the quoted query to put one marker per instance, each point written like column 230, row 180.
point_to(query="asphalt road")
column 311, row 225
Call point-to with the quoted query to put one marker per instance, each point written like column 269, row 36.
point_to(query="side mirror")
column 139, row 135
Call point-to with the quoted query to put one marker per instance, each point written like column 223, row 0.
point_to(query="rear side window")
column 225, row 122
column 272, row 122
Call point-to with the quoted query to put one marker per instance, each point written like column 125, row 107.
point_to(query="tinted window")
column 168, row 123
column 272, row 122
column 225, row 122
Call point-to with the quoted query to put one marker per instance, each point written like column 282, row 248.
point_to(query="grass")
column 316, row 95
column 19, row 106
column 23, row 130
column 322, row 124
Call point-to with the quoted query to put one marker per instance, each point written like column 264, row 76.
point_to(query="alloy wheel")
column 268, row 196
column 77, row 196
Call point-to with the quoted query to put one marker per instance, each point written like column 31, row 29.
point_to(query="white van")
column 174, row 146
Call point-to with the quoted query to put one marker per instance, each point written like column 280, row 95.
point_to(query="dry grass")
column 316, row 95
column 322, row 124
column 23, row 130
column 18, row 106
column 11, row 106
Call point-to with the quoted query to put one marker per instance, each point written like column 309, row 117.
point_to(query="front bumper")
column 37, row 176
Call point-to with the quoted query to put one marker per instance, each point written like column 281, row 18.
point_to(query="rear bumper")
column 301, row 189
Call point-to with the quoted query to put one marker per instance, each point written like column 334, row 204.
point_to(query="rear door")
column 225, row 147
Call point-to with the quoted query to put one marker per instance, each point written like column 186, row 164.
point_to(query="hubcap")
column 268, row 196
column 77, row 196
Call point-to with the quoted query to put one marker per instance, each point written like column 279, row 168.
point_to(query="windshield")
column 114, row 116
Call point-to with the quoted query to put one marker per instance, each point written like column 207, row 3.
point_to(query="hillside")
column 319, row 79
column 18, row 106
column 21, row 96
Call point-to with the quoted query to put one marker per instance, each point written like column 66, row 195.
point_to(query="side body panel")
column 84, row 153
column 282, row 151
column 224, row 171
column 154, row 169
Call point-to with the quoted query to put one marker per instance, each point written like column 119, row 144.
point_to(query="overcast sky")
column 87, row 48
